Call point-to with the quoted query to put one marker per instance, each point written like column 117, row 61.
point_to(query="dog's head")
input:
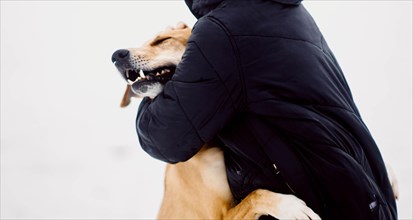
column 146, row 69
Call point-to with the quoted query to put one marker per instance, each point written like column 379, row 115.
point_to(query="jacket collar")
column 200, row 8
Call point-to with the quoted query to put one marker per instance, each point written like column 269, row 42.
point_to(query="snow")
column 69, row 151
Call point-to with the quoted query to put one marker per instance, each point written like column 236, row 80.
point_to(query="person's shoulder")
column 207, row 28
column 206, row 23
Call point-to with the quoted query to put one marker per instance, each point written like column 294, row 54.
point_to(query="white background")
column 69, row 151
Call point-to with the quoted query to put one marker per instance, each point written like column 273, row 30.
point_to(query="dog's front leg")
column 264, row 202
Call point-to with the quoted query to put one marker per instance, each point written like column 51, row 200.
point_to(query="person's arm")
column 203, row 95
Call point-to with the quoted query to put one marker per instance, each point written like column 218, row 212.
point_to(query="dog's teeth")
column 163, row 71
column 127, row 74
column 158, row 74
column 130, row 81
column 139, row 78
column 141, row 74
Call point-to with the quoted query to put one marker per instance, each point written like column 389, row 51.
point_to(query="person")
column 258, row 76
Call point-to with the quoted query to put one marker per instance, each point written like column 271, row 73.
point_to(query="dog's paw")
column 393, row 181
column 291, row 207
column 281, row 206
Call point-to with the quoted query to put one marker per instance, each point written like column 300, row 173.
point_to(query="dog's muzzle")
column 120, row 59
column 141, row 79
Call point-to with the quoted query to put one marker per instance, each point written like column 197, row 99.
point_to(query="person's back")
column 295, row 88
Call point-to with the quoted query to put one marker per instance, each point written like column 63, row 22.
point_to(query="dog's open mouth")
column 161, row 75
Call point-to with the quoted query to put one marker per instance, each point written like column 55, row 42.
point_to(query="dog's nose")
column 120, row 55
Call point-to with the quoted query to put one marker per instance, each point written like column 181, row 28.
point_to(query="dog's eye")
column 160, row 41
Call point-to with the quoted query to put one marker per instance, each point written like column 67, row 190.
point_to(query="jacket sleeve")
column 203, row 95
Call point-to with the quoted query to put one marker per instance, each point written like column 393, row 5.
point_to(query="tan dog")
column 197, row 188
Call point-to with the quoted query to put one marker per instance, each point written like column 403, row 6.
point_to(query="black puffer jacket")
column 259, row 75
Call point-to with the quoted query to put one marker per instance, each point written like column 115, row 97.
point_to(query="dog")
column 197, row 188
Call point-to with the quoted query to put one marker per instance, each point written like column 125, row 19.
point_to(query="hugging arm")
column 196, row 103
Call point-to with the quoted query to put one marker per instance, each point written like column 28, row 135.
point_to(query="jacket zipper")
column 277, row 171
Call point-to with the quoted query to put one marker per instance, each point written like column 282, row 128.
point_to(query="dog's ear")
column 127, row 96
column 181, row 25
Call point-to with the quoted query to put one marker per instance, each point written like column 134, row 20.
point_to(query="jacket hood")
column 200, row 8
